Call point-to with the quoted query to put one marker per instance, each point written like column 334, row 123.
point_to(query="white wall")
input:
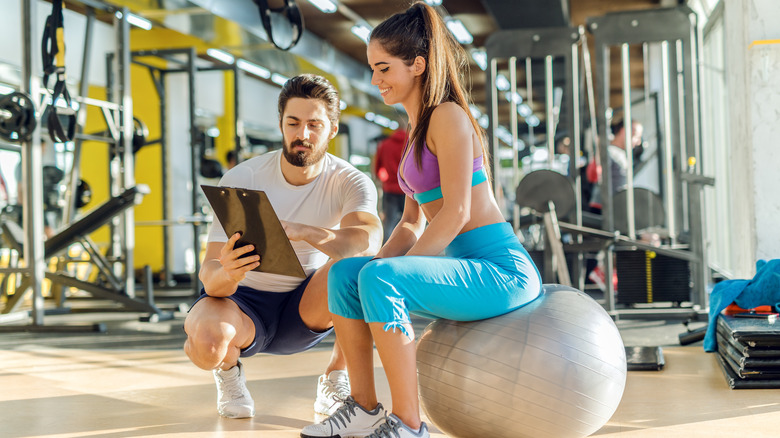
column 753, row 130
column 765, row 124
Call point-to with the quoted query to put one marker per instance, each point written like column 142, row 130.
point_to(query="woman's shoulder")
column 447, row 109
column 449, row 116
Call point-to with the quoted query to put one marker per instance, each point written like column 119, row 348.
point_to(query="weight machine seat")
column 13, row 234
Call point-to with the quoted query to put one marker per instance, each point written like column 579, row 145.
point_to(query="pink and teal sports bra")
column 424, row 184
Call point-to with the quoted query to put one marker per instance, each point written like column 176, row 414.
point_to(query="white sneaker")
column 349, row 420
column 233, row 398
column 395, row 428
column 332, row 390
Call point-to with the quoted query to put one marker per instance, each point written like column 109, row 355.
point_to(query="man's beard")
column 303, row 158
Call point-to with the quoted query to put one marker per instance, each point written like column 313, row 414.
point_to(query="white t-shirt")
column 339, row 190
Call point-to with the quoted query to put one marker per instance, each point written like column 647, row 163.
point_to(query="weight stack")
column 648, row 277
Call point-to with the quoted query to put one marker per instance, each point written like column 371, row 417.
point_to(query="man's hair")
column 620, row 124
column 309, row 86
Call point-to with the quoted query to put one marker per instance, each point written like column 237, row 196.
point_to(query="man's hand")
column 359, row 233
column 233, row 264
column 294, row 230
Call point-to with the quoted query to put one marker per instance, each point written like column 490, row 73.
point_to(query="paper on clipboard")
column 250, row 213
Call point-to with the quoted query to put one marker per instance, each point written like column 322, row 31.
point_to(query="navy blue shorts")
column 278, row 325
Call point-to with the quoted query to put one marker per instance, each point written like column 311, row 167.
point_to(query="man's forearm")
column 346, row 242
column 215, row 282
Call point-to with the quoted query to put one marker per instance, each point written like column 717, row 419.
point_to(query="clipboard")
column 250, row 213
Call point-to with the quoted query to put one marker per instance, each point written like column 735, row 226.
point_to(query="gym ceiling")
column 329, row 42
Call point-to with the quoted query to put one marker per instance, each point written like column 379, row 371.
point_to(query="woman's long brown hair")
column 420, row 31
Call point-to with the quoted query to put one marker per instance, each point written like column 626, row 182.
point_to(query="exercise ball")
column 555, row 367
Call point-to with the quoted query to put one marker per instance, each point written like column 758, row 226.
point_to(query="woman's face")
column 395, row 79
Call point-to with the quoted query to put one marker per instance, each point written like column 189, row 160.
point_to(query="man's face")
column 306, row 131
column 636, row 136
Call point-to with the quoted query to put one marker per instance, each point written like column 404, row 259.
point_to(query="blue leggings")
column 485, row 272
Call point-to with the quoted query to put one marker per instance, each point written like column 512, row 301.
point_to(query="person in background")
column 230, row 158
column 618, row 162
column 388, row 156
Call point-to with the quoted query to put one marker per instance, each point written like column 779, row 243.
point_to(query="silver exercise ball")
column 555, row 367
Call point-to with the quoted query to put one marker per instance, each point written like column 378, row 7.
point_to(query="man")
column 618, row 162
column 386, row 162
column 618, row 166
column 231, row 159
column 328, row 210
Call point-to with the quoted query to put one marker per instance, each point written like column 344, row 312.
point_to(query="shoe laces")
column 344, row 413
column 388, row 429
column 232, row 385
column 338, row 389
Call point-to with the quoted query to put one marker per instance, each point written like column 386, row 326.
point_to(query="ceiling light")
column 532, row 120
column 342, row 105
column 326, row 6
column 524, row 110
column 480, row 57
column 382, row 121
column 370, row 116
column 220, row 55
column 253, row 69
column 504, row 135
column 359, row 160
column 518, row 99
column 135, row 20
column 278, row 79
column 434, row 2
column 362, row 31
column 502, row 83
column 459, row 31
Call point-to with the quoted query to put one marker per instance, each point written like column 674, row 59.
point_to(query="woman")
column 485, row 271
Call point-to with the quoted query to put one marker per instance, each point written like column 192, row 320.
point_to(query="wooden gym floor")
column 135, row 381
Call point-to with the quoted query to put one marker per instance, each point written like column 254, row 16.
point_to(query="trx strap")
column 53, row 52
column 290, row 11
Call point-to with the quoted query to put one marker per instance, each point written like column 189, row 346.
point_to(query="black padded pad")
column 644, row 358
column 14, row 234
column 94, row 220
column 540, row 186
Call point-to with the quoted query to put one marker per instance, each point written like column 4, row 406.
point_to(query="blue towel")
column 762, row 290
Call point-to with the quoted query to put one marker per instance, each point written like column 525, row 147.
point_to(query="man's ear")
column 333, row 131
column 419, row 65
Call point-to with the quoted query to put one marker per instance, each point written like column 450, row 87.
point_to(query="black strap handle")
column 289, row 10
column 53, row 52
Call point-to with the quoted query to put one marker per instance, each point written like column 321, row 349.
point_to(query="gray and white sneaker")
column 349, row 420
column 332, row 390
column 395, row 428
column 233, row 398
